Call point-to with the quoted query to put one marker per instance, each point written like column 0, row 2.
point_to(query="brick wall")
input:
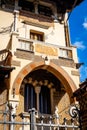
column 81, row 96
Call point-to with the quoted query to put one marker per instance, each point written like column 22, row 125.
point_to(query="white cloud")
column 79, row 45
column 85, row 23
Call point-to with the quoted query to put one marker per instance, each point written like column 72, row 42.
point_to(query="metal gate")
column 32, row 121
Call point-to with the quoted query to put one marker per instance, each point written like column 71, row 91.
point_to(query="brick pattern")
column 81, row 96
column 83, row 108
column 61, row 99
column 3, row 99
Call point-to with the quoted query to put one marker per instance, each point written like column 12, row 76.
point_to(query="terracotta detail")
column 25, row 71
column 46, row 50
column 32, row 66
column 18, row 80
column 69, row 85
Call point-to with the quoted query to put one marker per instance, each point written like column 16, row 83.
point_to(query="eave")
column 66, row 5
column 5, row 71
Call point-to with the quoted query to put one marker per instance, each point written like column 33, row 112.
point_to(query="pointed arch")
column 59, row 72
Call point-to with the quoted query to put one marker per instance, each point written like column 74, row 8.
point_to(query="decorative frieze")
column 51, row 51
column 47, row 50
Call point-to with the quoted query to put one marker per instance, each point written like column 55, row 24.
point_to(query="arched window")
column 29, row 97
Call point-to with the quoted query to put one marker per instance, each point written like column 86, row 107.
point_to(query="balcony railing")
column 26, row 45
column 36, row 16
column 65, row 53
column 30, row 45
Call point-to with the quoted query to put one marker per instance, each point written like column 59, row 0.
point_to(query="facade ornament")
column 74, row 111
column 56, row 115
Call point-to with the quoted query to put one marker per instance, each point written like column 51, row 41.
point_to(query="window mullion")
column 37, row 91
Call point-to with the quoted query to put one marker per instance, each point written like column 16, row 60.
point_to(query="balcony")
column 26, row 45
column 5, row 68
column 38, row 47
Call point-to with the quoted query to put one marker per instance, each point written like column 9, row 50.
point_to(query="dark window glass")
column 30, row 97
column 44, row 10
column 26, row 5
column 12, row 2
column 44, row 100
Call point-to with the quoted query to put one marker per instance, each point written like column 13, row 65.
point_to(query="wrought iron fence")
column 32, row 121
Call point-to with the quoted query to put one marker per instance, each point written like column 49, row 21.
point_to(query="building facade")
column 36, row 32
column 81, row 96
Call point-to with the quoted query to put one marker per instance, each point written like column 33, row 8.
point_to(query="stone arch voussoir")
column 59, row 72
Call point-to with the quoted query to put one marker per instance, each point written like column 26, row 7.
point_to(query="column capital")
column 37, row 89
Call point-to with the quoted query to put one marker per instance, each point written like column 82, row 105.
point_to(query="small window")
column 8, row 2
column 44, row 10
column 26, row 5
column 35, row 35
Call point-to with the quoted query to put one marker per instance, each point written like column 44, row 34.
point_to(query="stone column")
column 16, row 15
column 12, row 108
column 36, row 6
column 52, row 90
column 16, row 4
column 37, row 91
column 54, row 10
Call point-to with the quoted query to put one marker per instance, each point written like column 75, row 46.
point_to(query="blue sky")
column 78, row 33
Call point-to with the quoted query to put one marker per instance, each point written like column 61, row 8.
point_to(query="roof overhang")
column 66, row 5
column 5, row 71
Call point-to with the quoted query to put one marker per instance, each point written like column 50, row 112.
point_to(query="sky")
column 78, row 34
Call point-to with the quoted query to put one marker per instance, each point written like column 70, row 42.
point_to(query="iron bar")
column 5, row 114
column 33, row 124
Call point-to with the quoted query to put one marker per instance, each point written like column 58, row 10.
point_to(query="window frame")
column 29, row 93
column 37, row 34
column 32, row 103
